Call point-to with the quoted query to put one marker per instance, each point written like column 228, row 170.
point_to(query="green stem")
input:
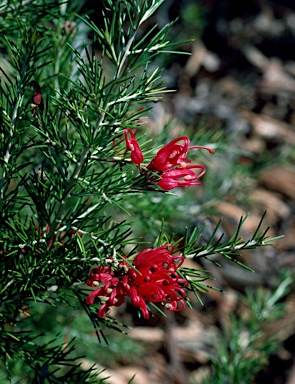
column 231, row 248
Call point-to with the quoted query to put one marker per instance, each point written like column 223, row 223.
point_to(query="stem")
column 127, row 48
column 233, row 248
column 67, row 194
column 59, row 52
column 74, row 178
column 11, row 131
column 126, row 53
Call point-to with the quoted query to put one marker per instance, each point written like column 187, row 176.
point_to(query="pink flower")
column 153, row 279
column 133, row 146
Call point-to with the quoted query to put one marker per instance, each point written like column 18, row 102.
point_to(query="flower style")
column 151, row 278
column 170, row 167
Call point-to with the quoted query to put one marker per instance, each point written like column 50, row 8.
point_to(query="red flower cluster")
column 152, row 278
column 170, row 165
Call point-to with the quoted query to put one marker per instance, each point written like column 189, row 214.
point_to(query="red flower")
column 180, row 177
column 112, row 288
column 170, row 167
column 173, row 154
column 170, row 155
column 133, row 146
column 153, row 279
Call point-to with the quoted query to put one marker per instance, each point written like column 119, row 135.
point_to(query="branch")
column 230, row 248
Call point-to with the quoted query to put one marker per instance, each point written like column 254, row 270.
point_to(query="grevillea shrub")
column 78, row 170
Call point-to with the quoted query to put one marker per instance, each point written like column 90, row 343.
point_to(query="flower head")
column 151, row 278
column 173, row 155
column 170, row 168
